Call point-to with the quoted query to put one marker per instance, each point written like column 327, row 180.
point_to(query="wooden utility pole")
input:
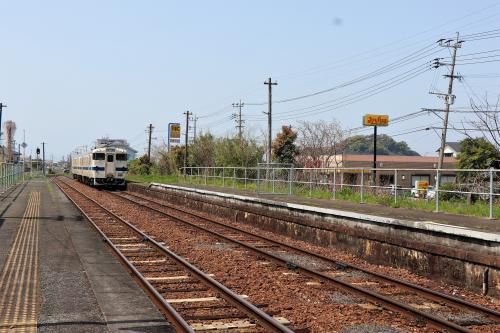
column 449, row 97
column 239, row 120
column 187, row 113
column 269, row 118
column 150, row 132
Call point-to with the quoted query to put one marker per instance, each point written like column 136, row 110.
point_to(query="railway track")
column 190, row 299
column 435, row 309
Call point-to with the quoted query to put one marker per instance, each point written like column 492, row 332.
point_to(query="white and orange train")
column 105, row 166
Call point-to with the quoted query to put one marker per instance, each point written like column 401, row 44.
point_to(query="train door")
column 110, row 165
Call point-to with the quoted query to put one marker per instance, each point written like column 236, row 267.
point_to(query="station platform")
column 453, row 221
column 56, row 274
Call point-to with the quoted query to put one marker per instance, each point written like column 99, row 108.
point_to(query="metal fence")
column 363, row 184
column 10, row 174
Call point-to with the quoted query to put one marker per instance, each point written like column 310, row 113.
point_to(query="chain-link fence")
column 456, row 190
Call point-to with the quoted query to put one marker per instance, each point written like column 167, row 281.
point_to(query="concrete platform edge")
column 419, row 225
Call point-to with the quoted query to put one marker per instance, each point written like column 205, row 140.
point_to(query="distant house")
column 119, row 143
column 410, row 169
column 451, row 149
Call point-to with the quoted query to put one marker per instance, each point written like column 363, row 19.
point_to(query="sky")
column 75, row 71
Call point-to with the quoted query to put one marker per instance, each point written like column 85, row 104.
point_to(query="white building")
column 451, row 149
column 119, row 143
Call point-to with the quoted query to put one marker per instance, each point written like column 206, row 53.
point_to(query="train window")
column 110, row 158
column 121, row 157
column 98, row 156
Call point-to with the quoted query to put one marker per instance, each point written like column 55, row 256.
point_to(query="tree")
column 487, row 121
column 386, row 145
column 201, row 151
column 140, row 166
column 478, row 153
column 321, row 142
column 236, row 152
column 283, row 147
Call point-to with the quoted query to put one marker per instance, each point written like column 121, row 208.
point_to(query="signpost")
column 174, row 134
column 375, row 120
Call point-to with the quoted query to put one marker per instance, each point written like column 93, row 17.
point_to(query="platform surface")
column 73, row 281
column 443, row 220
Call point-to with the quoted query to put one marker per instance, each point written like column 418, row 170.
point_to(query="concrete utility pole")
column 150, row 132
column 1, row 108
column 449, row 98
column 43, row 157
column 24, row 144
column 269, row 118
column 195, row 119
column 187, row 113
column 237, row 117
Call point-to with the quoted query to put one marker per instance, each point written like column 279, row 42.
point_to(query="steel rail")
column 435, row 295
column 174, row 318
column 227, row 294
column 386, row 302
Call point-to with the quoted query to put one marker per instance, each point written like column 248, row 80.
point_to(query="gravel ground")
column 308, row 305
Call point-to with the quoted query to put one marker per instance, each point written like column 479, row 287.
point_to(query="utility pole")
column 195, row 119
column 269, row 118
column 449, row 98
column 150, row 131
column 24, row 144
column 187, row 113
column 43, row 157
column 374, row 172
column 1, row 108
column 237, row 117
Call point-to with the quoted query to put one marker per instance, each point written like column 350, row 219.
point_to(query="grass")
column 455, row 206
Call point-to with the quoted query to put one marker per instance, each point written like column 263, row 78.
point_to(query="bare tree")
column 487, row 121
column 321, row 142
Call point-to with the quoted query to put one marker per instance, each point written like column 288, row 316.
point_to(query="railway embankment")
column 464, row 256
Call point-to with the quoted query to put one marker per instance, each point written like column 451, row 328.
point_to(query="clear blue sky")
column 71, row 72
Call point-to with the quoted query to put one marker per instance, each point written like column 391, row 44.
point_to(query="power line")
column 411, row 58
column 359, row 96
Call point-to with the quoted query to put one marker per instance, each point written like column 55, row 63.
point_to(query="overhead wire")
column 409, row 59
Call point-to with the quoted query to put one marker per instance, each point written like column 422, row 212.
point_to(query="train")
column 101, row 167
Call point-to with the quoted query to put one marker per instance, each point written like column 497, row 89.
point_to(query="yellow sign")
column 175, row 131
column 375, row 120
column 421, row 185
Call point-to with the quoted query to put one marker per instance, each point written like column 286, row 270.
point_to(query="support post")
column 491, row 193
column 186, row 139
column 258, row 180
column 150, row 132
column 43, row 157
column 334, row 184
column 395, row 186
column 437, row 191
column 362, row 182
column 290, row 180
column 269, row 118
column 310, row 183
column 374, row 171
column 223, row 179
